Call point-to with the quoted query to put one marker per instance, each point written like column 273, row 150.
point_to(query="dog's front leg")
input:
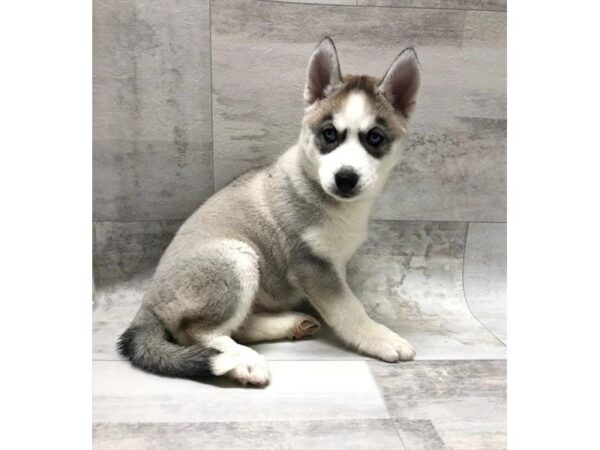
column 346, row 315
column 329, row 293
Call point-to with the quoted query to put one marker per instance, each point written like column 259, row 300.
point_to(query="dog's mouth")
column 344, row 195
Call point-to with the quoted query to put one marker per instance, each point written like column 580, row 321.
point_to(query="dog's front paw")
column 382, row 343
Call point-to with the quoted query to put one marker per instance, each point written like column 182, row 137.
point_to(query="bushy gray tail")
column 146, row 344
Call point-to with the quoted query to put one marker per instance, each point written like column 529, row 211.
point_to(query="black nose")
column 346, row 181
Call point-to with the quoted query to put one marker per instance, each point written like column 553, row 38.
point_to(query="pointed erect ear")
column 401, row 82
column 323, row 72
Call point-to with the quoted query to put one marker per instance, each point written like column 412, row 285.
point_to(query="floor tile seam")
column 373, row 361
column 374, row 219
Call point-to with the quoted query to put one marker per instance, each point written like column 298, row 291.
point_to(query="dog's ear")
column 323, row 72
column 400, row 83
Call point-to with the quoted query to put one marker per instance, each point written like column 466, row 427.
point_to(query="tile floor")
column 440, row 284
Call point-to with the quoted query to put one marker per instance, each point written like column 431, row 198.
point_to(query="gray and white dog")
column 281, row 234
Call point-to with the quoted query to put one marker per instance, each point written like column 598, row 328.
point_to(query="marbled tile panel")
column 418, row 435
column 464, row 400
column 485, row 275
column 455, row 166
column 152, row 130
column 293, row 435
column 299, row 390
column 408, row 276
column 123, row 250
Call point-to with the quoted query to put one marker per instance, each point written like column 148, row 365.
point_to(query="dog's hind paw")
column 304, row 326
column 254, row 372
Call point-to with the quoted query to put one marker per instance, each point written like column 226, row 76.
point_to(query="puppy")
column 281, row 234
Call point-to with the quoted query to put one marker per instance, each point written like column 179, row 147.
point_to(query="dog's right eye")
column 330, row 135
column 374, row 138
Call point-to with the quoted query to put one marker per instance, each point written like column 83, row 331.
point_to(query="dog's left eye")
column 330, row 134
column 374, row 138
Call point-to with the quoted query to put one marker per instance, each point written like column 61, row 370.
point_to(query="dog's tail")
column 146, row 344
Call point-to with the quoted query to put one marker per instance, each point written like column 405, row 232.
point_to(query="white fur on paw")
column 251, row 368
column 304, row 325
column 383, row 343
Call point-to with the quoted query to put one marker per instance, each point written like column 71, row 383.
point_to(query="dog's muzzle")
column 346, row 181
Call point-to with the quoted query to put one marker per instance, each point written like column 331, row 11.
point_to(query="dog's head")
column 353, row 126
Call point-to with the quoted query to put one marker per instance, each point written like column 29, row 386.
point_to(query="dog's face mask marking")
column 354, row 125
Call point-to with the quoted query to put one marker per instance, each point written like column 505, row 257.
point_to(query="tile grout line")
column 384, row 6
column 212, row 117
column 387, row 409
column 415, row 361
column 436, row 428
column 391, row 417
column 395, row 428
column 462, row 281
column 372, row 220
column 437, row 221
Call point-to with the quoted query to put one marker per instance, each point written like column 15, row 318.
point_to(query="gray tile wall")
column 178, row 85
column 152, row 150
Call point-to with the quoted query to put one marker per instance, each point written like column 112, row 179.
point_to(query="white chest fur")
column 338, row 237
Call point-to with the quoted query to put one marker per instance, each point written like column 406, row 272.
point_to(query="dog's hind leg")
column 206, row 295
column 268, row 326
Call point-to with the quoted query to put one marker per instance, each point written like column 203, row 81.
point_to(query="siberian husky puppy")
column 281, row 234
